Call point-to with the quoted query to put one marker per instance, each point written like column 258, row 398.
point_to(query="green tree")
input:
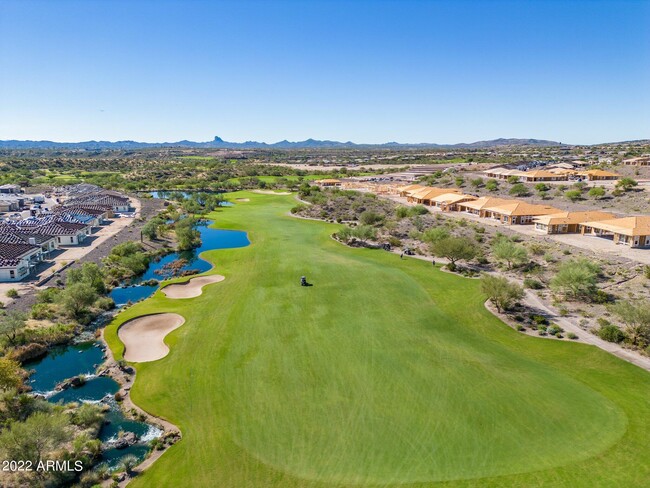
column 502, row 293
column 34, row 438
column 11, row 324
column 510, row 252
column 187, row 236
column 77, row 297
column 636, row 317
column 364, row 232
column 597, row 192
column 435, row 234
column 542, row 187
column 492, row 185
column 626, row 183
column 455, row 249
column 151, row 229
column 11, row 375
column 513, row 180
column 573, row 195
column 370, row 217
column 89, row 273
column 576, row 279
column 519, row 190
column 476, row 182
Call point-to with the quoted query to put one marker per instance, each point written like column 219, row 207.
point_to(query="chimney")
column 32, row 241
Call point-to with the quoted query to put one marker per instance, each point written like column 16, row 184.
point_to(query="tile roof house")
column 17, row 260
column 9, row 235
column 567, row 222
column 118, row 203
column 599, row 175
column 517, row 212
column 476, row 207
column 66, row 233
column 425, row 195
column 408, row 190
column 449, row 201
column 631, row 231
column 542, row 175
column 638, row 161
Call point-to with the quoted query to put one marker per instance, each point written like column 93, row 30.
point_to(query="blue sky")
column 366, row 71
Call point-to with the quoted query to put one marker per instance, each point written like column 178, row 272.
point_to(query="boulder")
column 126, row 440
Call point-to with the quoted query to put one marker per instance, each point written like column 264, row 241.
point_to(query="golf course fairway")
column 386, row 372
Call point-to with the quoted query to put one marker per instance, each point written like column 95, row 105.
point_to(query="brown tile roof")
column 482, row 202
column 573, row 217
column 427, row 193
column 515, row 208
column 598, row 172
column 629, row 226
column 452, row 198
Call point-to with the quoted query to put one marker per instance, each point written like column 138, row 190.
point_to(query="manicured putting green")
column 385, row 372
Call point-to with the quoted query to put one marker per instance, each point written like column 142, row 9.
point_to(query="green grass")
column 386, row 372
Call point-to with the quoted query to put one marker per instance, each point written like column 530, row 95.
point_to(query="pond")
column 210, row 239
column 64, row 362
column 172, row 194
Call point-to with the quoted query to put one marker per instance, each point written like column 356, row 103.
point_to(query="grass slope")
column 385, row 372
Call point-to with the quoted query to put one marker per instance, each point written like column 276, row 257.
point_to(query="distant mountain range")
column 218, row 143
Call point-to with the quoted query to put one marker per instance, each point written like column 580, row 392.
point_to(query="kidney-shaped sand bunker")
column 192, row 288
column 144, row 337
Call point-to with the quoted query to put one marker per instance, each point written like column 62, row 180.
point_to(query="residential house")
column 17, row 260
column 476, row 207
column 329, row 182
column 517, row 212
column 425, row 195
column 567, row 222
column 408, row 190
column 8, row 188
column 118, row 203
column 599, row 175
column 541, row 175
column 9, row 235
column 638, row 161
column 449, row 201
column 631, row 231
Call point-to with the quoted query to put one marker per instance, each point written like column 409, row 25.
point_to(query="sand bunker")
column 192, row 288
column 242, row 199
column 143, row 337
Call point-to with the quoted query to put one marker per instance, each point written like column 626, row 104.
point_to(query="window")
column 12, row 273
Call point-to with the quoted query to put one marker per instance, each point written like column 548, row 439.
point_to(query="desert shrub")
column 519, row 190
column 418, row 210
column 572, row 336
column 402, row 212
column 533, row 284
column 394, row 241
column 49, row 295
column 298, row 208
column 42, row 311
column 610, row 333
column 104, row 303
column 554, row 329
column 492, row 185
column 12, row 293
column 539, row 319
column 370, row 217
